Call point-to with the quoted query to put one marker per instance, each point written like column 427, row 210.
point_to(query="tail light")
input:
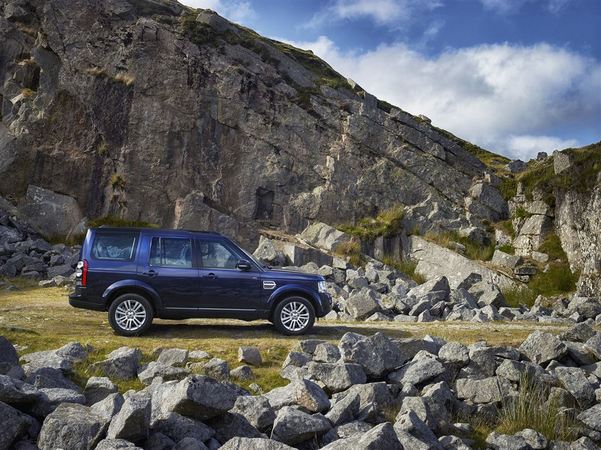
column 81, row 272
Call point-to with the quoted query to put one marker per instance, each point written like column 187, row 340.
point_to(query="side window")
column 117, row 247
column 171, row 252
column 217, row 256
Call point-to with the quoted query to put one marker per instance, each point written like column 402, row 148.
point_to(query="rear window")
column 116, row 247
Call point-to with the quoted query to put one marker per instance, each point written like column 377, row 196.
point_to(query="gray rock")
column 293, row 426
column 421, row 368
column 345, row 409
column 190, row 444
column 326, row 352
column 116, row 444
column 173, row 356
column 109, row 406
column 324, row 236
column 62, row 359
column 454, row 353
column 576, row 383
column 257, row 410
column 376, row 354
column 593, row 344
column 16, row 392
column 296, row 359
column 14, row 425
column 304, row 393
column 506, row 442
column 592, row 417
column 487, row 390
column 50, row 398
column 581, row 332
column 533, row 438
column 379, row 437
column 122, row 363
column 176, row 427
column 198, row 397
column 158, row 441
column 230, row 425
column 409, row 423
column 97, row 389
column 241, row 443
column 503, row 259
column 346, row 430
column 541, row 347
column 516, row 370
column 71, row 426
column 337, row 377
column 50, row 378
column 156, row 369
column 9, row 360
column 132, row 422
column 217, row 368
column 198, row 354
column 242, row 373
column 362, row 304
column 250, row 355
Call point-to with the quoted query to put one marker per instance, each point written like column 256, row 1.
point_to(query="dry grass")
column 40, row 319
column 125, row 78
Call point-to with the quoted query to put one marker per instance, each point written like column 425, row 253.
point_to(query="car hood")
column 284, row 274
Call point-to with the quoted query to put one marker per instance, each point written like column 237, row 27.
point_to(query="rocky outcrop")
column 578, row 225
column 212, row 125
column 375, row 392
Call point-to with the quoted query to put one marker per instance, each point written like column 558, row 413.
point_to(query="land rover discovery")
column 137, row 274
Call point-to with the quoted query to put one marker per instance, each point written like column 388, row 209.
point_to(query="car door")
column 223, row 287
column 170, row 270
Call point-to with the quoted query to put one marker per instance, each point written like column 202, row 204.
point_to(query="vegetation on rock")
column 386, row 223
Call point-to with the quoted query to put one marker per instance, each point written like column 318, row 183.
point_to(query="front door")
column 226, row 290
column 171, row 272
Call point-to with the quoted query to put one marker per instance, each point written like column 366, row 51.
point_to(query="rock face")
column 238, row 166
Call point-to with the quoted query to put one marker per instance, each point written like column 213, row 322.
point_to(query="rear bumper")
column 79, row 300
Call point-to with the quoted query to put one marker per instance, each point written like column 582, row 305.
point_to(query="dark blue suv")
column 137, row 274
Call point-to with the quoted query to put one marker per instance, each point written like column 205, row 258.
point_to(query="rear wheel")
column 294, row 316
column 130, row 315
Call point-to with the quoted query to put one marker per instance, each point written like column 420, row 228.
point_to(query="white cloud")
column 525, row 147
column 512, row 6
column 386, row 12
column 504, row 97
column 235, row 10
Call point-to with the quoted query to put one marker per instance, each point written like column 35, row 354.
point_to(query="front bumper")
column 325, row 300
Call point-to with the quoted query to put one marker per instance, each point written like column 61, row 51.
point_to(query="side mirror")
column 243, row 265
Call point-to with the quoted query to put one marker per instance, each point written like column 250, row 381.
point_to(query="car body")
column 187, row 274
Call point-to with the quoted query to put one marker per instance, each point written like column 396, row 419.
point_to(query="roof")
column 160, row 230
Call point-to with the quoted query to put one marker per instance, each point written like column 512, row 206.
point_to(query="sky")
column 513, row 76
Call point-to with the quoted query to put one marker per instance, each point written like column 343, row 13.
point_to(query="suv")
column 137, row 274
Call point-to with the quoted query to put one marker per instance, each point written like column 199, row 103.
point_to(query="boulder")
column 541, row 347
column 575, row 381
column 293, row 426
column 132, row 422
column 503, row 259
column 50, row 398
column 109, row 406
column 97, row 389
column 257, row 410
column 362, row 304
column 176, row 427
column 421, row 368
column 324, row 236
column 217, row 368
column 241, row 443
column 326, row 352
column 173, row 356
column 122, row 363
column 16, row 392
column 337, row 377
column 14, row 425
column 269, row 253
column 379, row 437
column 487, row 390
column 71, row 426
column 116, row 444
column 377, row 354
column 9, row 360
column 198, row 397
column 303, row 393
column 230, row 425
column 250, row 355
column 499, row 441
column 454, row 353
column 592, row 417
column 242, row 373
column 156, row 369
column 593, row 345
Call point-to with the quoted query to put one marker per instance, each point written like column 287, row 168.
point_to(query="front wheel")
column 294, row 316
column 130, row 315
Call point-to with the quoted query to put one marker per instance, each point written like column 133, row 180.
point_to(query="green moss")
column 352, row 251
column 582, row 176
column 386, row 223
column 552, row 247
column 507, row 248
column 521, row 213
column 407, row 267
column 473, row 250
column 507, row 227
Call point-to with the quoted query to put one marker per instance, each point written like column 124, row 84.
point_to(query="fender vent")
column 268, row 285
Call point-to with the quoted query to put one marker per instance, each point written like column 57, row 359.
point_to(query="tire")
column 294, row 316
column 139, row 308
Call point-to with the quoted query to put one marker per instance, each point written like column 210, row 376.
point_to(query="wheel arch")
column 132, row 287
column 281, row 294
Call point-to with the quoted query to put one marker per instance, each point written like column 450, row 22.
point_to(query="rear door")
column 169, row 268
column 223, row 287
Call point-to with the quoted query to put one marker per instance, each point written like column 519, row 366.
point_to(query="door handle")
column 150, row 273
column 210, row 276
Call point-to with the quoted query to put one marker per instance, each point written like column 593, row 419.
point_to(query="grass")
column 473, row 250
column 352, row 251
column 582, row 176
column 407, row 267
column 507, row 248
column 552, row 247
column 125, row 78
column 508, row 187
column 117, row 181
column 506, row 226
column 521, row 213
column 41, row 319
column 519, row 295
column 386, row 223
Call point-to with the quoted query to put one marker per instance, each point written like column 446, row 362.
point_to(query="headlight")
column 321, row 287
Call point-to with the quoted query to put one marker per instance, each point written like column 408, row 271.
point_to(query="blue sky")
column 514, row 76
